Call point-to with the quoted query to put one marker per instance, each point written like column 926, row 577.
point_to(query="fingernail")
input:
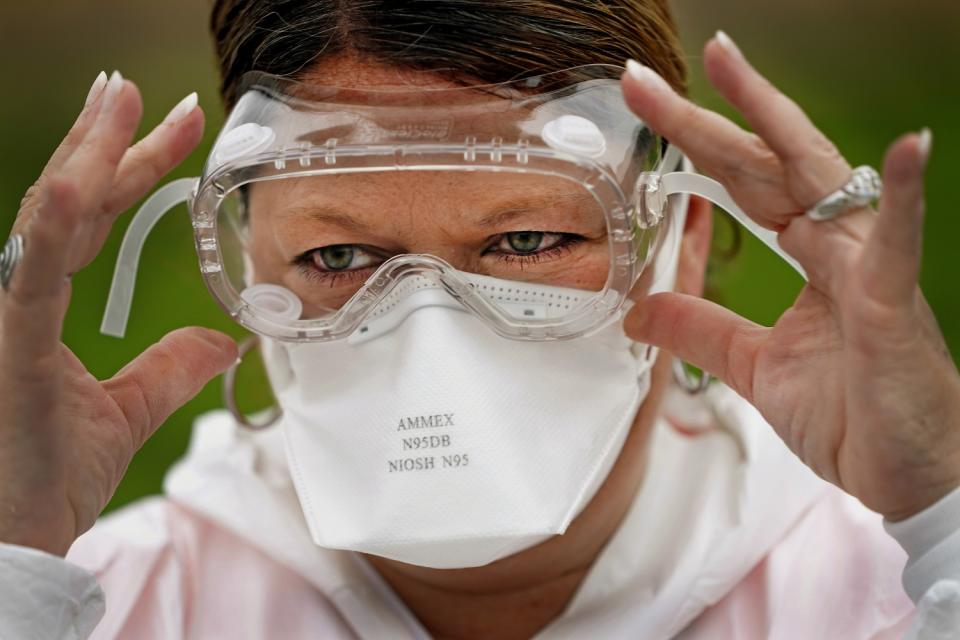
column 728, row 44
column 184, row 108
column 96, row 89
column 647, row 76
column 926, row 143
column 113, row 89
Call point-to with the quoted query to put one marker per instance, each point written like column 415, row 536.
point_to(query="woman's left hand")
column 855, row 377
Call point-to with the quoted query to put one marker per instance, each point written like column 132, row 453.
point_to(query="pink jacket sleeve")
column 836, row 574
column 169, row 574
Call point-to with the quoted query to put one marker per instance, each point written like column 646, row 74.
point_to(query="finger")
column 702, row 333
column 891, row 258
column 34, row 306
column 145, row 163
column 827, row 252
column 814, row 166
column 77, row 132
column 94, row 162
column 712, row 142
column 740, row 160
column 81, row 126
column 167, row 375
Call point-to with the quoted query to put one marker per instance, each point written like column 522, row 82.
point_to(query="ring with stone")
column 863, row 189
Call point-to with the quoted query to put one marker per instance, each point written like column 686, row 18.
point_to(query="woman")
column 699, row 522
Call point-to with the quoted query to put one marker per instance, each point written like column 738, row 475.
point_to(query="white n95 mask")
column 428, row 439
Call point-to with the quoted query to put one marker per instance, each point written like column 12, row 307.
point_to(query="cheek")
column 691, row 271
column 590, row 274
column 263, row 255
column 695, row 247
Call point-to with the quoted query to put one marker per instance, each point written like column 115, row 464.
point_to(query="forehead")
column 372, row 102
column 442, row 210
column 487, row 200
column 418, row 185
column 357, row 72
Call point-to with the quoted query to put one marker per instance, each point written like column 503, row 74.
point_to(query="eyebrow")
column 332, row 216
column 530, row 204
column 498, row 216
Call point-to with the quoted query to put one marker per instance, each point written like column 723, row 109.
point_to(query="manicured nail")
column 647, row 76
column 96, row 89
column 926, row 143
column 184, row 108
column 113, row 89
column 728, row 44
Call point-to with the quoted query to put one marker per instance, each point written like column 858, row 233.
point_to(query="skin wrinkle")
column 520, row 211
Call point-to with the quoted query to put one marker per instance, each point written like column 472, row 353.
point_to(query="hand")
column 66, row 438
column 855, row 376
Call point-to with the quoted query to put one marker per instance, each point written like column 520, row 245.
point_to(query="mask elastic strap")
column 125, row 276
column 698, row 185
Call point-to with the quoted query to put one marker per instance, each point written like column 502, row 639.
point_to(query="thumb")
column 167, row 375
column 702, row 333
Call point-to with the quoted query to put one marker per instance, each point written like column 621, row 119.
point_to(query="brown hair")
column 488, row 40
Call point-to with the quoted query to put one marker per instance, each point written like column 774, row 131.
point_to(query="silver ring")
column 864, row 188
column 10, row 258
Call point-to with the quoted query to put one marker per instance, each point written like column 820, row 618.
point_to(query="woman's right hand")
column 65, row 437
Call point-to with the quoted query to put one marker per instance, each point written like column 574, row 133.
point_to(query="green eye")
column 525, row 241
column 336, row 257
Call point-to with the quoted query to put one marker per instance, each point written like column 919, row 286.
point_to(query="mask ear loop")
column 230, row 397
column 690, row 384
column 117, row 312
column 678, row 182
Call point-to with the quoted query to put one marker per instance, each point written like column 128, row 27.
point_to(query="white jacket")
column 729, row 537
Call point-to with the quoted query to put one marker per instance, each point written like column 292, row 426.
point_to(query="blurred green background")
column 865, row 71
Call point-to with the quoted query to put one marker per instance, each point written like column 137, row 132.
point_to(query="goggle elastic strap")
column 125, row 276
column 679, row 182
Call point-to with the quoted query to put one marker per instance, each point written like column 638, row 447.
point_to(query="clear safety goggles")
column 542, row 206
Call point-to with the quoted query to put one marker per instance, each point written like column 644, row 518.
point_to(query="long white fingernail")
column 184, row 108
column 647, row 76
column 96, row 89
column 112, row 90
column 728, row 44
column 926, row 143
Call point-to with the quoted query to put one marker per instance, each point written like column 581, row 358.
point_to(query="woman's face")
column 323, row 237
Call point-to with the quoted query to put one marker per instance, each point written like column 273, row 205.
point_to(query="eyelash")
column 564, row 246
column 305, row 265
